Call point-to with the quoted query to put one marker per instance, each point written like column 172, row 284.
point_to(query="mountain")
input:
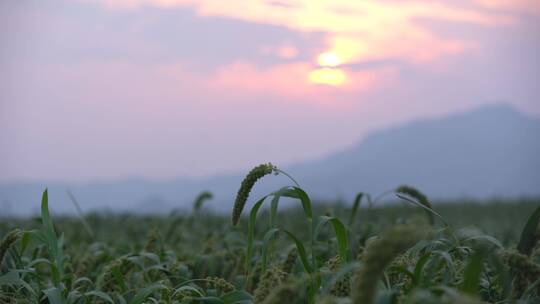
column 492, row 151
column 489, row 152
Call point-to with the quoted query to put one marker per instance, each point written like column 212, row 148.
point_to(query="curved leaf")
column 340, row 232
column 236, row 296
column 268, row 236
column 301, row 251
column 528, row 238
column 99, row 294
column 144, row 293
column 356, row 205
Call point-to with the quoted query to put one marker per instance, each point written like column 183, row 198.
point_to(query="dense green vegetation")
column 284, row 250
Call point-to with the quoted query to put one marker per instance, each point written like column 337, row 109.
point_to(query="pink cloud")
column 370, row 29
column 291, row 80
column 524, row 6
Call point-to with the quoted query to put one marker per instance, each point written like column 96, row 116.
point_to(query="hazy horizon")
column 243, row 170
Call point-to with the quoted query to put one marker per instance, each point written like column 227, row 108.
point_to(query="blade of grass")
column 528, row 237
column 80, row 214
column 301, row 251
column 356, row 205
column 473, row 272
column 144, row 293
column 411, row 200
column 339, row 230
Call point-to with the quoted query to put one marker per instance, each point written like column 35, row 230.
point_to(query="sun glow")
column 328, row 76
column 328, row 72
column 328, row 59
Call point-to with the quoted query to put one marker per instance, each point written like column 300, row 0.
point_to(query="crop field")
column 280, row 248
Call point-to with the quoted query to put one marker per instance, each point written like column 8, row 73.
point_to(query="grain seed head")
column 272, row 278
column 8, row 240
column 378, row 255
column 245, row 188
column 422, row 199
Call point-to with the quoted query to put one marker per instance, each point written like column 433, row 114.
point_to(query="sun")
column 328, row 72
column 328, row 59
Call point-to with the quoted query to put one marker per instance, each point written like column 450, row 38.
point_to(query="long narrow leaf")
column 528, row 237
column 340, row 232
column 144, row 293
column 251, row 231
column 301, row 251
column 298, row 193
column 473, row 271
column 268, row 236
column 356, row 205
column 413, row 201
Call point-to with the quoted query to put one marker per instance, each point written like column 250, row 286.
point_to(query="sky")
column 111, row 89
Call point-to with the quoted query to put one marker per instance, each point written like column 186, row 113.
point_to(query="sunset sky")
column 108, row 89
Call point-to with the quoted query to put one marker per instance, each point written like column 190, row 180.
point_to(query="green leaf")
column 528, row 238
column 301, row 251
column 268, row 236
column 340, row 232
column 419, row 268
column 25, row 240
column 73, row 297
column 387, row 297
column 291, row 192
column 54, row 244
column 81, row 214
column 356, row 205
column 211, row 300
column 10, row 278
column 54, row 295
column 486, row 238
column 187, row 288
column 413, row 201
column 144, row 293
column 13, row 278
column 473, row 272
column 82, row 280
column 45, row 217
column 274, row 209
column 251, row 231
column 236, row 296
column 119, row 278
column 99, row 294
column 298, row 193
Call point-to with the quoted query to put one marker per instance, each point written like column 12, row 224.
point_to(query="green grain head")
column 200, row 199
column 245, row 188
column 292, row 292
column 523, row 270
column 420, row 197
column 8, row 240
column 271, row 279
column 152, row 241
column 254, row 277
column 106, row 280
column 290, row 261
column 220, row 284
column 342, row 287
column 379, row 254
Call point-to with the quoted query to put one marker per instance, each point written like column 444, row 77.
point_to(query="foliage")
column 300, row 253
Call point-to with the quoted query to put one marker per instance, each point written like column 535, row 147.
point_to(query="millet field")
column 280, row 248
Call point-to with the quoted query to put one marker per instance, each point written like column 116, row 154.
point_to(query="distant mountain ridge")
column 491, row 151
column 488, row 152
